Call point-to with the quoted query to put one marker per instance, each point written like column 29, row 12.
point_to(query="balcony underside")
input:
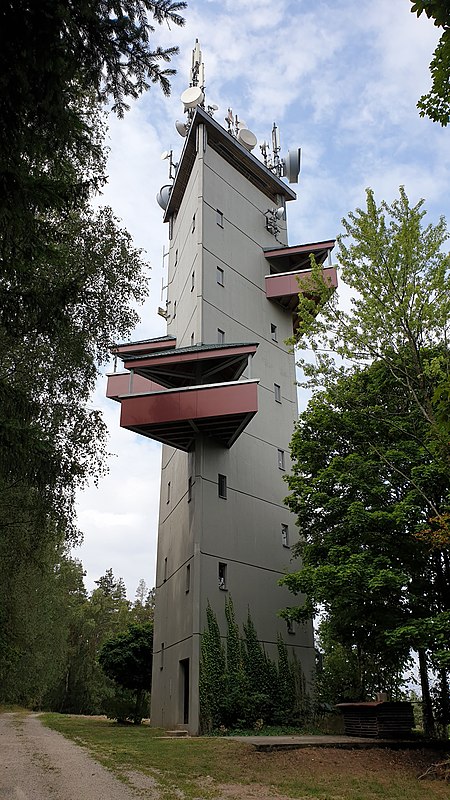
column 178, row 417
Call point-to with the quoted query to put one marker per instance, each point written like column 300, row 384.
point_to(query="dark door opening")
column 184, row 667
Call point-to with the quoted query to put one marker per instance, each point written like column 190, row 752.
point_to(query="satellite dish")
column 214, row 107
column 192, row 97
column 162, row 198
column 246, row 138
column 279, row 213
column 165, row 155
column 292, row 165
column 181, row 128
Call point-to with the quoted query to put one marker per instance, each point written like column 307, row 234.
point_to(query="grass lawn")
column 223, row 768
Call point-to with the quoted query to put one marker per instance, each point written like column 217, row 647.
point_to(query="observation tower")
column 219, row 392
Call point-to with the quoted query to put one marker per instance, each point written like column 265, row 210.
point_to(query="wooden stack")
column 378, row 719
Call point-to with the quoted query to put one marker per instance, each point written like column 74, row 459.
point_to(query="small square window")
column 290, row 626
column 281, row 462
column 222, row 576
column 219, row 218
column 277, row 392
column 219, row 276
column 220, row 336
column 222, row 486
column 188, row 578
column 273, row 332
column 192, row 281
column 189, row 492
column 285, row 535
column 168, row 492
column 193, row 223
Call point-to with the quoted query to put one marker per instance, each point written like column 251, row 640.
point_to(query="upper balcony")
column 290, row 271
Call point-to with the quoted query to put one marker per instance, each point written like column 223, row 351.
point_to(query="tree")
column 436, row 104
column 127, row 659
column 69, row 275
column 400, row 309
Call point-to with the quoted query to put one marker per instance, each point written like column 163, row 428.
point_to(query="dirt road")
column 39, row 764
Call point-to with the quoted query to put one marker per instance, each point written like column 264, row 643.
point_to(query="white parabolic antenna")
column 192, row 97
column 181, row 128
column 162, row 198
column 292, row 165
column 247, row 138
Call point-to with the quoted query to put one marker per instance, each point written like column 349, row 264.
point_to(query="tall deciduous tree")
column 372, row 453
column 436, row 104
column 364, row 486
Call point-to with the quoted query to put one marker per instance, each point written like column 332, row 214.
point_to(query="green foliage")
column 127, row 658
column 371, row 476
column 69, row 282
column 240, row 686
column 436, row 104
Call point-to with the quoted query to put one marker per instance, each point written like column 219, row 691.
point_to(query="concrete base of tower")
column 175, row 696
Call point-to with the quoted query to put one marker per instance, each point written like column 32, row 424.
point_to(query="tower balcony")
column 290, row 268
column 285, row 287
column 176, row 417
column 175, row 394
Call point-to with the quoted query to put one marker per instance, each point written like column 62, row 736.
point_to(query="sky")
column 341, row 79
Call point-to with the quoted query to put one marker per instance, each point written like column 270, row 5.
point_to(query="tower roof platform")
column 231, row 151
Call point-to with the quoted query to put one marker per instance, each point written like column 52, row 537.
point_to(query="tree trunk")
column 429, row 727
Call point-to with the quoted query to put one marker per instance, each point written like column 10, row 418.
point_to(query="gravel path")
column 39, row 764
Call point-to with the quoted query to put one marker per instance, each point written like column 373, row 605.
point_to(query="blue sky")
column 341, row 79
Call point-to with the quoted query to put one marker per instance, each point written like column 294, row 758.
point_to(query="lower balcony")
column 176, row 417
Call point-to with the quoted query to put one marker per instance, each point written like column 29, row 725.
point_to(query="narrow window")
column 273, row 332
column 219, row 218
column 174, row 309
column 222, row 576
column 161, row 665
column 285, row 535
column 290, row 626
column 220, row 336
column 188, row 578
column 277, row 392
column 222, row 486
column 281, row 459
column 192, row 281
column 192, row 339
column 189, row 489
column 165, row 569
column 193, row 223
column 168, row 492
column 219, row 276
column 176, row 256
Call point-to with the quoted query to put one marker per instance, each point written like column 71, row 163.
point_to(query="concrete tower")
column 219, row 392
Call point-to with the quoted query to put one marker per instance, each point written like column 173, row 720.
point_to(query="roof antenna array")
column 194, row 95
column 288, row 167
column 238, row 128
